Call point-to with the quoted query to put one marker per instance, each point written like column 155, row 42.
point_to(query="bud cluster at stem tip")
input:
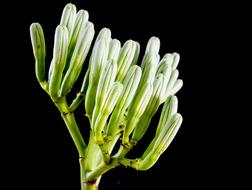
column 121, row 92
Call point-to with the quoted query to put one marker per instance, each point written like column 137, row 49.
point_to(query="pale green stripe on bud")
column 135, row 59
column 80, row 23
column 59, row 59
column 172, row 80
column 97, row 61
column 149, row 67
column 114, row 49
column 106, row 81
column 153, row 45
column 170, row 107
column 112, row 98
column 130, row 84
column 177, row 86
column 176, row 58
column 98, row 58
column 170, row 131
column 150, row 110
column 39, row 50
column 136, row 109
column 105, row 34
column 160, row 143
column 165, row 67
column 165, row 64
column 128, row 55
column 68, row 17
column 78, row 57
column 106, row 109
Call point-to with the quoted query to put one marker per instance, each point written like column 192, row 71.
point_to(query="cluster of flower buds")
column 121, row 96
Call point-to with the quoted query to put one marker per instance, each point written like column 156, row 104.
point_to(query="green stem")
column 76, row 102
column 100, row 170
column 93, row 154
column 71, row 124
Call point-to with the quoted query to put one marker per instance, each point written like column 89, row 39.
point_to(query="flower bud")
column 153, row 45
column 128, row 55
column 150, row 110
column 79, row 25
column 149, row 67
column 68, row 17
column 170, row 107
column 177, row 86
column 130, row 84
column 160, row 142
column 105, row 34
column 59, row 59
column 114, row 49
column 176, row 59
column 97, row 62
column 106, row 109
column 106, row 81
column 39, row 50
column 78, row 57
column 172, row 80
column 136, row 109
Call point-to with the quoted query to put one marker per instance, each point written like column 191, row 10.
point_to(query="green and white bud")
column 136, row 109
column 153, row 45
column 78, row 57
column 112, row 98
column 165, row 64
column 80, row 23
column 177, row 86
column 106, row 81
column 170, row 107
column 59, row 59
column 97, row 62
column 149, row 67
column 105, row 34
column 130, row 84
column 176, row 58
column 150, row 110
column 114, row 49
column 39, row 50
column 160, row 143
column 172, row 80
column 134, row 62
column 106, row 109
column 68, row 18
column 127, row 57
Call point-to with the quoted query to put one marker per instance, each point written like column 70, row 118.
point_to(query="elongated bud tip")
column 68, row 16
column 176, row 58
column 153, row 45
column 168, row 59
column 114, row 49
column 83, row 14
column 105, row 33
column 37, row 39
column 112, row 98
column 39, row 50
column 172, row 104
column 178, row 119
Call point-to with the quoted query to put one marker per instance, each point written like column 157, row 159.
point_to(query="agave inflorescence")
column 120, row 97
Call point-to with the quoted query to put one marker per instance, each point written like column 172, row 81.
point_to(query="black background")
column 39, row 151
